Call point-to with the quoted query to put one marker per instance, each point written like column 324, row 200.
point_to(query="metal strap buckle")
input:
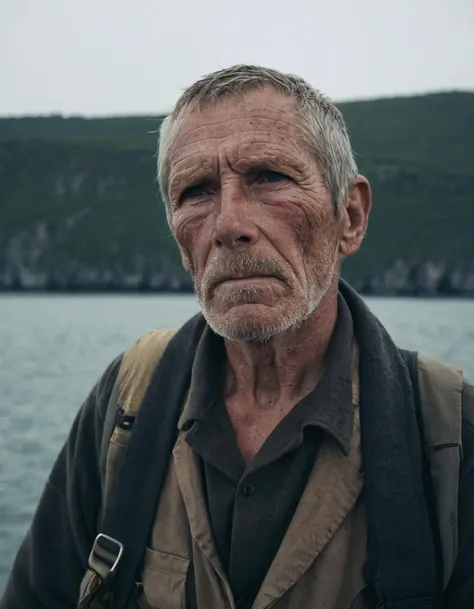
column 105, row 556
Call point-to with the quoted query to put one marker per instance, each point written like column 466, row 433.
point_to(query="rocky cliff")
column 80, row 209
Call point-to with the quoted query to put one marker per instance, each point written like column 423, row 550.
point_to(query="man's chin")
column 255, row 322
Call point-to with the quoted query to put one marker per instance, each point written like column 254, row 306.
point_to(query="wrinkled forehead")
column 264, row 114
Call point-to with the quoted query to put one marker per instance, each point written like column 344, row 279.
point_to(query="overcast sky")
column 98, row 57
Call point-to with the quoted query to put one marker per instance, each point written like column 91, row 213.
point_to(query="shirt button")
column 249, row 490
column 239, row 599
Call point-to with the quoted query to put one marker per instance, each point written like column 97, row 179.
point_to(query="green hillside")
column 79, row 207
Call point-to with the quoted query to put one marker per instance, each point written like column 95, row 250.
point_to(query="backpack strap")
column 438, row 387
column 136, row 369
column 110, row 420
column 142, row 387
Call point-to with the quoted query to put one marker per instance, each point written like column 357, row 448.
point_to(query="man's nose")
column 235, row 227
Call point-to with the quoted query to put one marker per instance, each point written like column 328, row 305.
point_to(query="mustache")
column 241, row 266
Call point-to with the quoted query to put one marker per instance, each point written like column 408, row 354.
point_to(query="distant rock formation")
column 29, row 263
column 80, row 207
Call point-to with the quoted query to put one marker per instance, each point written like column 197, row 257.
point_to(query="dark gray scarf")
column 401, row 569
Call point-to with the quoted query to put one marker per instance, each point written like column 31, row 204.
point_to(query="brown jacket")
column 322, row 556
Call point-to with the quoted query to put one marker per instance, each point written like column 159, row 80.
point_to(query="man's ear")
column 355, row 215
column 185, row 261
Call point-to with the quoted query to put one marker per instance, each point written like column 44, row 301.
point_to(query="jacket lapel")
column 193, row 492
column 334, row 485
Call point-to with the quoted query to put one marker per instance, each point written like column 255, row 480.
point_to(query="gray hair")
column 322, row 125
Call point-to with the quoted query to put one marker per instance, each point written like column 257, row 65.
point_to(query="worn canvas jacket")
column 323, row 554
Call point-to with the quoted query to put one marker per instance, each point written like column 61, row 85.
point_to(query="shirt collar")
column 329, row 406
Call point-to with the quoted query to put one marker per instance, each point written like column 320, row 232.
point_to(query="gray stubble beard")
column 302, row 306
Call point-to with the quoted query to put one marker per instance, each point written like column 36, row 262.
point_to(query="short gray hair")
column 322, row 125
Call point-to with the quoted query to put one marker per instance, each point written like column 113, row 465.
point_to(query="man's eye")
column 193, row 192
column 272, row 177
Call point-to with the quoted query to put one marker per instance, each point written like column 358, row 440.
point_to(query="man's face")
column 251, row 215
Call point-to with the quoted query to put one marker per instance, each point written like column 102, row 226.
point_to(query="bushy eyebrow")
column 189, row 175
column 195, row 168
column 272, row 157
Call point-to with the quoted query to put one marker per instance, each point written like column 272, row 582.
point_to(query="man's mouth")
column 238, row 278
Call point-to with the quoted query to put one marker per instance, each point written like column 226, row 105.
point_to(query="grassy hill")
column 79, row 206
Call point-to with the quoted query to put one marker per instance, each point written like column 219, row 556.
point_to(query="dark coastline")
column 445, row 292
column 80, row 210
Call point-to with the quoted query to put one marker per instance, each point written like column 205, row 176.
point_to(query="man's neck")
column 279, row 374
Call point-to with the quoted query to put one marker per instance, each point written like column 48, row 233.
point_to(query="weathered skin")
column 257, row 229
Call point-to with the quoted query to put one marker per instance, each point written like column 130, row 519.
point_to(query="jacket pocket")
column 164, row 580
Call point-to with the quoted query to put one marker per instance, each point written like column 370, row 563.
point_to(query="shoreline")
column 125, row 291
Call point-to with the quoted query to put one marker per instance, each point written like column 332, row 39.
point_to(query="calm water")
column 52, row 350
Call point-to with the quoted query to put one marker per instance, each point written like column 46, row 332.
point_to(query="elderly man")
column 314, row 464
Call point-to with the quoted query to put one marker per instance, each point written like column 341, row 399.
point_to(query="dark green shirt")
column 250, row 507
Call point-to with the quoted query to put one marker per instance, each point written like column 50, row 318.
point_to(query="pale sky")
column 109, row 57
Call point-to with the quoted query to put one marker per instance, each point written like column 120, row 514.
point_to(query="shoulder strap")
column 118, row 550
column 438, row 388
column 107, row 431
column 136, row 369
